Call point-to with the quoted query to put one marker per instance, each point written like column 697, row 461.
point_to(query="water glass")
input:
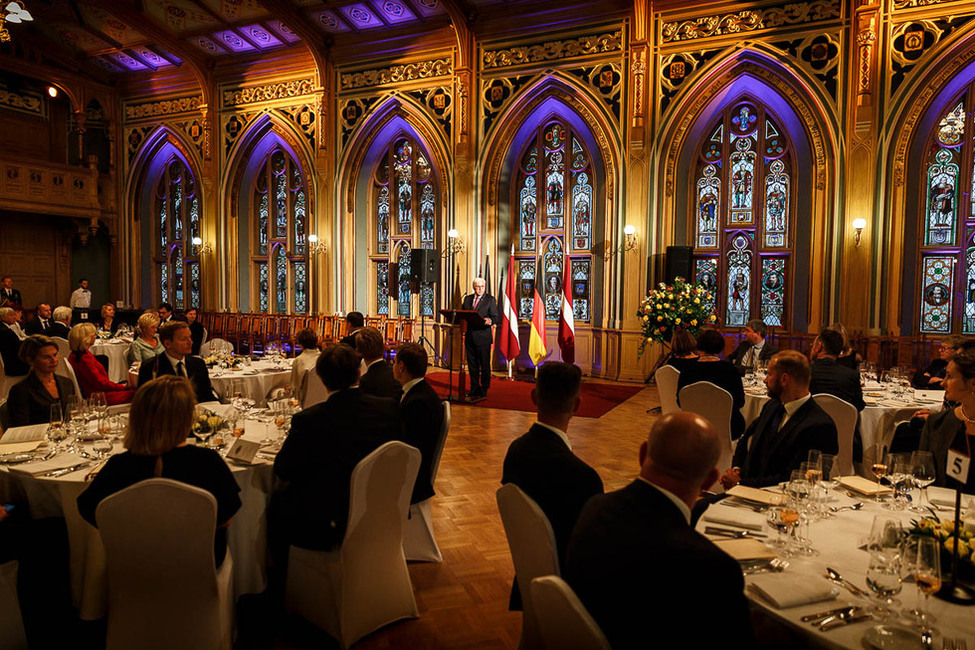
column 899, row 475
column 922, row 469
column 783, row 518
column 885, row 546
column 98, row 404
column 922, row 561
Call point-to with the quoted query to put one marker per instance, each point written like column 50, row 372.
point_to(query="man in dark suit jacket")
column 478, row 341
column 754, row 343
column 61, row 322
column 377, row 377
column 176, row 360
column 421, row 412
column 541, row 462
column 42, row 322
column 356, row 323
column 789, row 426
column 8, row 295
column 10, row 341
column 637, row 564
column 830, row 377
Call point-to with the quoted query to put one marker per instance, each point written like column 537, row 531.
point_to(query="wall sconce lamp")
column 316, row 247
column 630, row 242
column 455, row 243
column 205, row 248
column 858, row 226
column 17, row 13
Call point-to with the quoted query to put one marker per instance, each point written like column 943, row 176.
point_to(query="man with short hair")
column 421, row 412
column 753, row 348
column 176, row 359
column 81, row 297
column 11, row 337
column 165, row 313
column 477, row 343
column 835, row 379
column 62, row 321
column 541, row 461
column 789, row 426
column 637, row 564
column 41, row 322
column 376, row 375
column 8, row 295
column 356, row 323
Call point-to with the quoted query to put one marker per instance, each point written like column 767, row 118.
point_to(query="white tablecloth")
column 259, row 379
column 115, row 350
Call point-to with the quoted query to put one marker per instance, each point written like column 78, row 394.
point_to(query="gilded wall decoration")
column 267, row 92
column 165, row 107
column 438, row 102
column 397, row 74
column 913, row 40
column 553, row 50
column 23, row 101
column 638, row 70
column 819, row 56
column 195, row 131
column 134, row 138
column 232, row 126
column 909, row 4
column 792, row 13
column 675, row 69
column 351, row 112
column 495, row 95
column 305, row 118
column 606, row 80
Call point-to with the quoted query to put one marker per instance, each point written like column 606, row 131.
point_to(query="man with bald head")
column 637, row 564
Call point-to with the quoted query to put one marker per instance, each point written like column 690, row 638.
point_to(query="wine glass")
column 802, row 488
column 884, row 565
column 102, row 445
column 202, row 430
column 267, row 416
column 899, row 475
column 923, row 557
column 98, row 404
column 783, row 518
column 922, row 469
column 281, row 415
column 828, row 480
column 879, row 466
column 76, row 407
column 56, row 430
column 237, row 424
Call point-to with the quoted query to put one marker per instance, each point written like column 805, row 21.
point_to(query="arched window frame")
column 176, row 261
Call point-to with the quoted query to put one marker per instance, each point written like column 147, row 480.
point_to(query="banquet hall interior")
column 277, row 164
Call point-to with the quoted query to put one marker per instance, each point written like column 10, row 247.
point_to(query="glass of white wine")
column 922, row 469
column 783, row 518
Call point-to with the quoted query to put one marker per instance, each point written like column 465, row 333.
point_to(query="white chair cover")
column 163, row 589
column 666, row 378
column 419, row 544
column 205, row 339
column 365, row 584
column 533, row 551
column 66, row 370
column 562, row 618
column 6, row 382
column 312, row 389
column 714, row 404
column 12, row 635
column 844, row 417
column 63, row 348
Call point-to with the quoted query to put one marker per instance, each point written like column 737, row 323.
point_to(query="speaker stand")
column 423, row 341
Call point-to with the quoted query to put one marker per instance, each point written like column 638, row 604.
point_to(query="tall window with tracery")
column 279, row 247
column 743, row 197
column 177, row 222
column 552, row 202
column 405, row 208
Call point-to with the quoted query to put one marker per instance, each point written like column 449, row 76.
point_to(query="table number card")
column 244, row 450
column 957, row 466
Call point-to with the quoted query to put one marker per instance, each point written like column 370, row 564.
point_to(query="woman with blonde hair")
column 159, row 423
column 91, row 375
column 147, row 344
column 30, row 399
column 107, row 321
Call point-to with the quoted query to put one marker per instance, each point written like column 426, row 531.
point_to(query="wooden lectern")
column 459, row 319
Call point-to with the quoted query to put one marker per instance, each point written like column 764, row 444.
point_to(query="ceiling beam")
column 462, row 18
column 317, row 42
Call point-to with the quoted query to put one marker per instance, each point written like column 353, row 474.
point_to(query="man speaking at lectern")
column 478, row 342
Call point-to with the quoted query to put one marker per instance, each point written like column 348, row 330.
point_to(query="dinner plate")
column 17, row 457
column 889, row 637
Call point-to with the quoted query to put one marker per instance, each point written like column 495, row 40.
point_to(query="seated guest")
column 848, row 357
column 159, row 423
column 62, row 322
column 304, row 362
column 930, row 378
column 712, row 369
column 638, row 566
column 106, row 321
column 789, row 426
column 11, row 337
column 146, row 345
column 196, row 328
column 954, row 428
column 829, row 377
column 165, row 312
column 753, row 348
column 356, row 322
column 541, row 461
column 421, row 412
column 683, row 350
column 90, row 374
column 326, row 442
column 176, row 360
column 41, row 322
column 377, row 375
column 31, row 398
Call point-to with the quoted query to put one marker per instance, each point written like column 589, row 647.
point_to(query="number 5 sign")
column 957, row 466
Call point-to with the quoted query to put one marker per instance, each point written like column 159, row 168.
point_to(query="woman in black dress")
column 954, row 428
column 683, row 350
column 710, row 367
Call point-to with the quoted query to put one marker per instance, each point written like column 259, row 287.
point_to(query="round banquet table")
column 116, row 350
column 55, row 497
column 838, row 541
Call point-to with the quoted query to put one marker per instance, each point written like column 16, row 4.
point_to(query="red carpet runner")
column 597, row 399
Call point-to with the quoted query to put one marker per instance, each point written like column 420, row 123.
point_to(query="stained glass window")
column 938, row 274
column 175, row 258
column 280, row 240
column 553, row 203
column 743, row 205
column 405, row 213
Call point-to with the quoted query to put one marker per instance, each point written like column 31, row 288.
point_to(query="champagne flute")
column 98, row 404
column 57, row 417
column 922, row 469
column 927, row 576
column 56, row 431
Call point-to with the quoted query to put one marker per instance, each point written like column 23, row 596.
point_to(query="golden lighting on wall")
column 315, row 247
column 858, row 226
column 630, row 242
column 455, row 243
column 205, row 248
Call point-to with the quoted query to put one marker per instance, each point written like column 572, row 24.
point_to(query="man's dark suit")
column 196, row 334
column 10, row 298
column 9, row 351
column 641, row 571
column 59, row 329
column 349, row 339
column 35, row 326
column 196, row 371
column 541, row 464
column 766, row 457
column 326, row 442
column 478, row 342
column 738, row 356
column 832, row 378
column 422, row 414
column 378, row 380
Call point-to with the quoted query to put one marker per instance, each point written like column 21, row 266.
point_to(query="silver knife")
column 845, row 620
column 63, row 470
column 823, row 615
column 731, row 532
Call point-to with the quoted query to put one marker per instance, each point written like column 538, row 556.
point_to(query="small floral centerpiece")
column 944, row 531
column 206, row 421
column 672, row 306
column 228, row 361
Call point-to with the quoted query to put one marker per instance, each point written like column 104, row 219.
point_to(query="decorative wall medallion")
column 792, row 13
column 495, row 95
column 913, row 40
column 819, row 56
column 438, row 103
column 606, row 81
column 553, row 50
column 397, row 74
column 351, row 113
column 676, row 69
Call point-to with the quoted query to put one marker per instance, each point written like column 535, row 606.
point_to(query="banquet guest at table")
column 304, row 362
column 477, row 343
column 155, row 441
column 91, row 374
column 828, row 376
column 167, row 315
column 421, row 412
column 639, row 567
column 62, row 322
column 106, row 321
column 930, row 377
column 176, row 359
column 710, row 367
column 8, row 295
column 954, row 428
column 683, row 350
column 81, row 297
column 30, row 399
column 11, row 337
column 754, row 345
column 41, row 322
column 192, row 316
column 541, row 461
column 376, row 376
column 789, row 426
column 146, row 345
column 355, row 322
column 848, row 356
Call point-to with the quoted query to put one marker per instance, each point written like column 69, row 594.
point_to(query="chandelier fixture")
column 14, row 12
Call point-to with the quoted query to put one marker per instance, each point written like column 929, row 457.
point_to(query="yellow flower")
column 659, row 318
column 713, row 318
column 697, row 301
column 646, row 318
column 658, row 305
column 670, row 296
column 677, row 322
column 694, row 323
column 666, row 305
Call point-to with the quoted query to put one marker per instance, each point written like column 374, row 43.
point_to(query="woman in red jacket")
column 92, row 377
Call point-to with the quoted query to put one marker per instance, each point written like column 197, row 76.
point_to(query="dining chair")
column 164, row 590
column 667, row 378
column 844, row 416
column 312, row 389
column 533, row 551
column 65, row 370
column 419, row 544
column 6, row 381
column 714, row 404
column 365, row 583
column 562, row 618
column 12, row 634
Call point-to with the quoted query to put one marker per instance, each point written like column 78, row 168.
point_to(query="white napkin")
column 944, row 497
column 39, row 467
column 738, row 517
column 28, row 433
column 929, row 395
column 784, row 590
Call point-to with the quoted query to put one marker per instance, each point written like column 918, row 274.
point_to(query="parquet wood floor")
column 463, row 602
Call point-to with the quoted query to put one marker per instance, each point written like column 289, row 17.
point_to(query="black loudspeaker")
column 679, row 264
column 424, row 265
